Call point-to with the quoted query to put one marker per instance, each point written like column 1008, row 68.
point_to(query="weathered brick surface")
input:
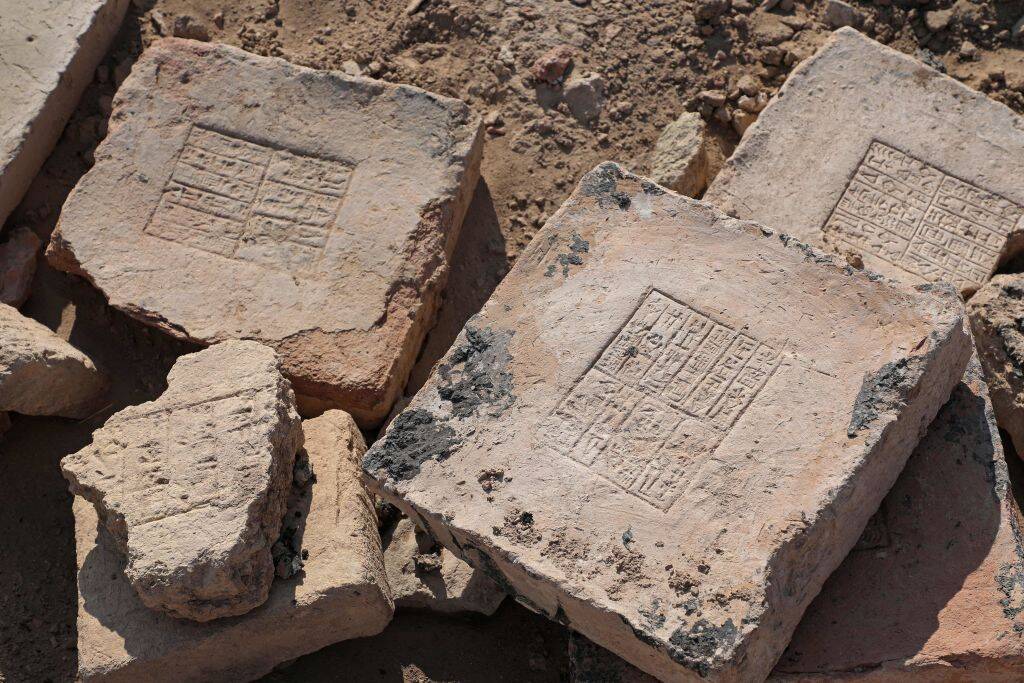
column 193, row 485
column 340, row 593
column 876, row 156
column 680, row 435
column 50, row 51
column 934, row 588
column 238, row 196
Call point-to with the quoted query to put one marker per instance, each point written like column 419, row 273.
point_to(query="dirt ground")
column 655, row 57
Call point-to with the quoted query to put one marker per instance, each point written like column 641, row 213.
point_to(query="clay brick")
column 41, row 374
column 239, row 196
column 50, row 51
column 996, row 312
column 691, row 435
column 193, row 485
column 340, row 593
column 874, row 155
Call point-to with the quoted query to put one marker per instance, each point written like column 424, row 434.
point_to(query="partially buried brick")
column 339, row 590
column 193, row 485
column 50, row 52
column 41, row 374
column 934, row 588
column 852, row 155
column 239, row 196
column 691, row 436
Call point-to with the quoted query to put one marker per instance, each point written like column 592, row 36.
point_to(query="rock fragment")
column 552, row 66
column 680, row 157
column 423, row 575
column 673, row 425
column 839, row 14
column 919, row 590
column 17, row 266
column 341, row 591
column 50, row 50
column 938, row 20
column 848, row 157
column 584, row 96
column 997, row 320
column 41, row 374
column 193, row 486
column 337, row 201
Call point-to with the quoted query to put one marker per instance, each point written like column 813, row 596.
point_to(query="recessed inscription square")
column 922, row 220
column 664, row 392
column 251, row 202
column 872, row 154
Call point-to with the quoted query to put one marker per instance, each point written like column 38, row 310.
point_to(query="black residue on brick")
column 413, row 438
column 475, row 378
column 885, row 390
column 650, row 188
column 695, row 648
column 573, row 257
column 653, row 616
column 578, row 245
column 640, row 634
column 1010, row 580
column 602, row 184
column 561, row 617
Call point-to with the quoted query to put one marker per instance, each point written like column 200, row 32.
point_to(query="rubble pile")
column 752, row 436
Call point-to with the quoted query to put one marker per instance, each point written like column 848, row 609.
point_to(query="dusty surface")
column 337, row 202
column 425, row 576
column 997, row 319
column 193, row 486
column 655, row 59
column 624, row 435
column 41, row 374
column 340, row 593
column 48, row 53
column 884, row 191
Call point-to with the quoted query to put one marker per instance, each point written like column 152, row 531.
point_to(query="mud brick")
column 691, row 436
column 874, row 155
column 239, row 196
column 50, row 51
column 341, row 591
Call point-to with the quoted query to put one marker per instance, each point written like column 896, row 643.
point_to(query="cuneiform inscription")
column 921, row 219
column 665, row 391
column 250, row 202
